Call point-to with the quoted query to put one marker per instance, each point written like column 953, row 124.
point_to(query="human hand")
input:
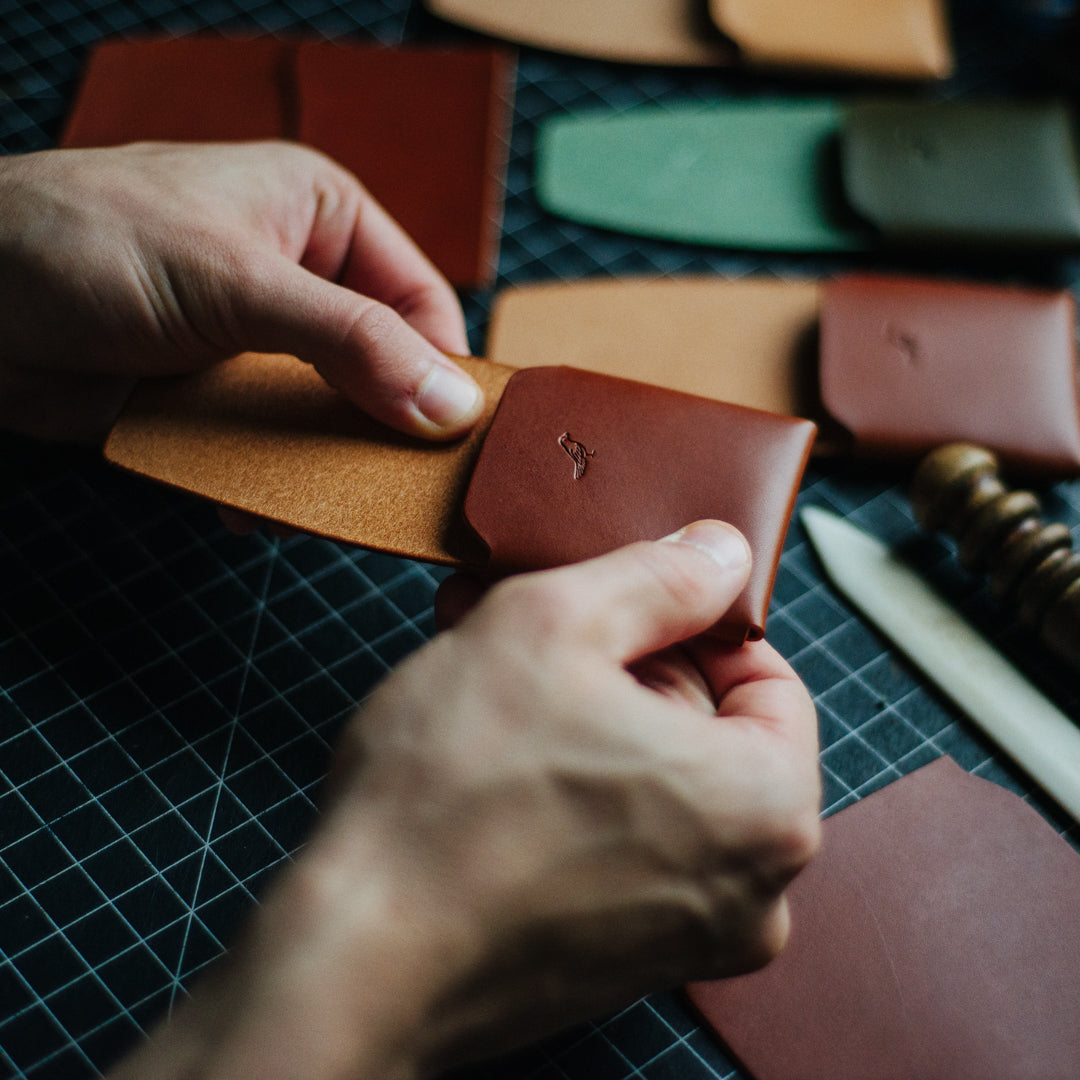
column 155, row 259
column 551, row 809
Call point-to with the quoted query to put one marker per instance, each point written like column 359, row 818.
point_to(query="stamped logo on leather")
column 577, row 453
column 905, row 344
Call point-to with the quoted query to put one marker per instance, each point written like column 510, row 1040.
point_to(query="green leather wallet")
column 819, row 175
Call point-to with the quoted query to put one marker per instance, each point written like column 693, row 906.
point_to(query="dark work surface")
column 169, row 693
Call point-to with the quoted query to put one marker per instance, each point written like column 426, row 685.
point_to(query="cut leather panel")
column 934, row 936
column 890, row 38
column 751, row 341
column 426, row 130
column 905, row 39
column 907, row 364
column 576, row 464
column 190, row 89
column 758, row 174
column 676, row 32
column 267, row 435
column 378, row 110
column 973, row 172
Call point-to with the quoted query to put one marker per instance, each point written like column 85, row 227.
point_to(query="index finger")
column 386, row 264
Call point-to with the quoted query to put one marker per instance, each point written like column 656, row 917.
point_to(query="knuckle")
column 542, row 604
column 373, row 326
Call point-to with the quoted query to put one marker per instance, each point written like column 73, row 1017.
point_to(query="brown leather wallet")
column 379, row 111
column 885, row 365
column 576, row 464
column 571, row 464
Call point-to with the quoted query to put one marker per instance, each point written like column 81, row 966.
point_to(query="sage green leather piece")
column 755, row 174
column 973, row 172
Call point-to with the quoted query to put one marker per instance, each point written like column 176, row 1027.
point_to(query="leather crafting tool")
column 950, row 651
column 1032, row 565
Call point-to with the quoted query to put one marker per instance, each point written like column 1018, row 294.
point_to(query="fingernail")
column 446, row 397
column 725, row 545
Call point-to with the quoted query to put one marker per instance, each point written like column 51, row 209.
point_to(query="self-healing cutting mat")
column 169, row 692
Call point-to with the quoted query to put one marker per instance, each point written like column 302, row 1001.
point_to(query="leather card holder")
column 907, row 364
column 377, row 110
column 576, row 464
column 993, row 173
column 886, row 366
column 820, row 174
column 906, row 39
column 899, row 39
column 266, row 435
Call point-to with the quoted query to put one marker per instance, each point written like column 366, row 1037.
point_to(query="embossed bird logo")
column 578, row 454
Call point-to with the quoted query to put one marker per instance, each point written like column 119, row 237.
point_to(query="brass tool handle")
column 1031, row 563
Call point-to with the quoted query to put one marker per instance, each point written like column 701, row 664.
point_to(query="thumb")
column 644, row 597
column 362, row 348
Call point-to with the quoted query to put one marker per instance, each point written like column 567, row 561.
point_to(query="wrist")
column 348, row 962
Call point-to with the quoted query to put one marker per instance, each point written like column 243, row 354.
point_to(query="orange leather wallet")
column 377, row 110
column 564, row 464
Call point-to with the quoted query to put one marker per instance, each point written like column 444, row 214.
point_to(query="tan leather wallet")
column 887, row 366
column 891, row 38
column 563, row 465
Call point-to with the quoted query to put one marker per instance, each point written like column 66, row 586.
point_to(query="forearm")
column 339, row 976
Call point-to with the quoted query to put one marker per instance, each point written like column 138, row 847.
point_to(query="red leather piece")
column 907, row 364
column 576, row 464
column 934, row 937
column 425, row 130
column 183, row 89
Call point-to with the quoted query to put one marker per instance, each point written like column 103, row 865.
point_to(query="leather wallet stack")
column 818, row 174
column 885, row 366
column 890, row 38
column 565, row 464
column 377, row 110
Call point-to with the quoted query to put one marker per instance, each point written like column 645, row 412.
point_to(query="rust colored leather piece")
column 576, row 464
column 426, row 130
column 905, row 39
column 265, row 434
column 907, row 364
column 184, row 89
column 934, row 936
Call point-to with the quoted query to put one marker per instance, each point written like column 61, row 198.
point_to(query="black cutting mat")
column 169, row 693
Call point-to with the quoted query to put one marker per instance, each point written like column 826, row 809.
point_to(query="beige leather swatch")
column 748, row 342
column 634, row 31
column 265, row 434
column 898, row 38
column 891, row 38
